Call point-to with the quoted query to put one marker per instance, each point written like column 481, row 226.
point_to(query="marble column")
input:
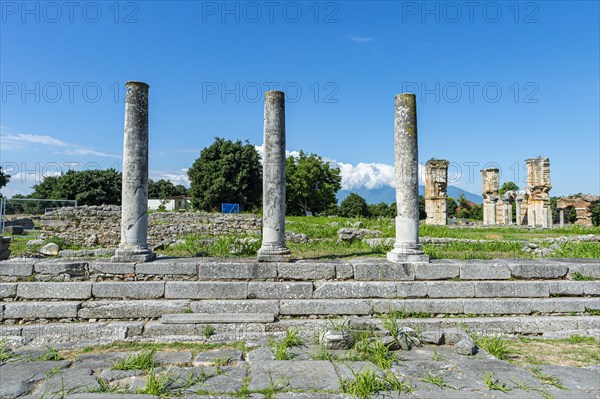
column 134, row 195
column 518, row 213
column 273, row 247
column 561, row 215
column 406, row 247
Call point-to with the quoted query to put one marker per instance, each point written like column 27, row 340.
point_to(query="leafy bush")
column 354, row 206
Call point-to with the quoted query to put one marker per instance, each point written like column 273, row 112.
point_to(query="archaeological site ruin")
column 123, row 321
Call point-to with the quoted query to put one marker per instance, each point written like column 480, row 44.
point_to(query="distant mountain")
column 388, row 194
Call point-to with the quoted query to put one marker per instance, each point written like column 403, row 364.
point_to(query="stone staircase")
column 65, row 301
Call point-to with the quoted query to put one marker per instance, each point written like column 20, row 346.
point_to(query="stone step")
column 62, row 335
column 219, row 318
column 154, row 309
column 146, row 290
column 372, row 269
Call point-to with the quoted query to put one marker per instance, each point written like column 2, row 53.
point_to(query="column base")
column 133, row 255
column 274, row 254
column 412, row 254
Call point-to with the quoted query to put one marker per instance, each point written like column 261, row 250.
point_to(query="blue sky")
column 497, row 83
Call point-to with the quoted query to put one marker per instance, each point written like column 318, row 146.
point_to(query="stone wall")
column 99, row 226
column 4, row 248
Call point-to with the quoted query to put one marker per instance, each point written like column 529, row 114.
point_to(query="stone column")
column 134, row 196
column 436, row 183
column 406, row 247
column 518, row 211
column 561, row 217
column 273, row 247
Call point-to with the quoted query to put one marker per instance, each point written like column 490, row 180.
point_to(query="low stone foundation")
column 92, row 226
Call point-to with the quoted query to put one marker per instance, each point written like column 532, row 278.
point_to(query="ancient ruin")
column 582, row 205
column 532, row 204
column 491, row 185
column 539, row 213
column 436, row 181
column 134, row 211
column 273, row 247
column 406, row 163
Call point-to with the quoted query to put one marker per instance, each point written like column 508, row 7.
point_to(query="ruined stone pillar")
column 561, row 217
column 273, row 247
column 518, row 202
column 538, row 184
column 491, row 183
column 406, row 247
column 507, row 211
column 134, row 196
column 436, row 183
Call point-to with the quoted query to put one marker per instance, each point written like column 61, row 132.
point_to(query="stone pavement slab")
column 302, row 375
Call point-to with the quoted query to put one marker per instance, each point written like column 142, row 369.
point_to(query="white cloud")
column 23, row 141
column 178, row 177
column 360, row 39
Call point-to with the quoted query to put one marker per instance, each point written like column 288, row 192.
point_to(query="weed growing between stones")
column 140, row 361
column 155, row 385
column 494, row 384
column 496, row 345
column 437, row 380
column 548, row 379
column 368, row 348
column 368, row 382
column 208, row 331
column 51, row 354
column 5, row 352
column 281, row 349
column 438, row 357
column 593, row 312
column 105, row 387
column 580, row 277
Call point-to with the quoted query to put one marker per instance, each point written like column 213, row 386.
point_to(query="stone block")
column 298, row 375
column 111, row 268
column 484, row 271
column 382, row 270
column 159, row 267
column 129, row 290
column 208, row 318
column 279, row 290
column 306, row 271
column 72, row 290
column 206, row 290
column 539, row 271
column 344, row 271
column 325, row 307
column 498, row 306
column 41, row 310
column 236, row 270
column 566, row 288
column 349, row 290
column 432, row 306
column 411, row 290
column 52, row 333
column 57, row 268
column 511, row 289
column 591, row 288
column 130, row 309
column 589, row 270
column 236, row 306
column 450, row 289
column 8, row 290
column 436, row 271
column 16, row 267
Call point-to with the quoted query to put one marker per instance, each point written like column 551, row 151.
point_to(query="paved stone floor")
column 229, row 373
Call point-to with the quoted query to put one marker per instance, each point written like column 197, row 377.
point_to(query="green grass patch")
column 574, row 351
column 578, row 250
column 478, row 250
column 495, row 345
column 140, row 361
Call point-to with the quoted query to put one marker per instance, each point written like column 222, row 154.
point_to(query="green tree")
column 422, row 213
column 88, row 187
column 451, row 206
column 226, row 171
column 164, row 189
column 4, row 178
column 311, row 184
column 596, row 215
column 571, row 217
column 508, row 186
column 382, row 210
column 354, row 206
column 477, row 212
